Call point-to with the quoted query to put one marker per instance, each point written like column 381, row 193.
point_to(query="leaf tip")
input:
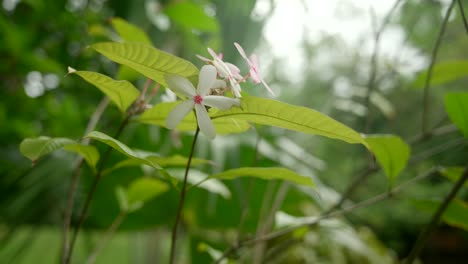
column 71, row 70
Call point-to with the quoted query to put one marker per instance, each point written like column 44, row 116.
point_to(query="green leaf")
column 456, row 105
column 198, row 179
column 173, row 161
column 453, row 173
column 122, row 148
column 34, row 148
column 145, row 189
column 443, row 72
column 89, row 153
column 274, row 173
column 121, row 195
column 158, row 114
column 191, row 16
column 391, row 152
column 455, row 215
column 301, row 119
column 122, row 93
column 129, row 32
column 147, row 60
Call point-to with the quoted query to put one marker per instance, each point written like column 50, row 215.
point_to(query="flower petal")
column 241, row 50
column 178, row 113
column 206, row 79
column 213, row 54
column 219, row 84
column 220, row 102
column 235, row 72
column 203, row 58
column 268, row 88
column 180, row 85
column 235, row 87
column 204, row 122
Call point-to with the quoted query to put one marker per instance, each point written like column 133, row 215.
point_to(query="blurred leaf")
column 391, row 152
column 264, row 173
column 122, row 148
column 214, row 253
column 197, row 179
column 145, row 189
column 122, row 198
column 191, row 16
column 129, row 32
column 456, row 105
column 89, row 153
column 443, row 72
column 158, row 114
column 301, row 119
column 147, row 60
column 378, row 100
column 34, row 148
column 122, row 93
column 452, row 173
column 456, row 214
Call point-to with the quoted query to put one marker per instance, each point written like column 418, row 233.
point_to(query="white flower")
column 225, row 70
column 198, row 99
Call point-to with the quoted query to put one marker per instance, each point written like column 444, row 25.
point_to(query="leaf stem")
column 435, row 50
column 426, row 232
column 462, row 12
column 182, row 199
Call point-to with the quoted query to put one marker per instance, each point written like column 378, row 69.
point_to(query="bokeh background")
column 320, row 54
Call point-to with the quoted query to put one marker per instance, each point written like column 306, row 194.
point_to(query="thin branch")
column 435, row 50
column 182, row 199
column 462, row 12
column 426, row 232
column 95, row 117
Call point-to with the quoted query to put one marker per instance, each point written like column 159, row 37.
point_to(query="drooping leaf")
column 129, row 32
column 34, row 148
column 196, row 178
column 145, row 189
column 456, row 105
column 172, row 161
column 121, row 93
column 274, row 113
column 191, row 16
column 453, row 173
column 89, row 153
column 455, row 215
column 391, row 152
column 158, row 114
column 443, row 72
column 122, row 199
column 147, row 60
column 121, row 147
column 274, row 173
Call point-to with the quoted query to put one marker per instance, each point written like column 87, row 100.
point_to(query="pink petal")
column 241, row 50
column 204, row 122
column 213, row 54
column 203, row 58
column 268, row 88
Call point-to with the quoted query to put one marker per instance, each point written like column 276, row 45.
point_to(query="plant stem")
column 182, row 199
column 91, row 192
column 435, row 50
column 107, row 236
column 462, row 12
column 426, row 232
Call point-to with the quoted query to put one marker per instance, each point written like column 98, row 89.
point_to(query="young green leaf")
column 89, row 153
column 456, row 105
column 456, row 214
column 158, row 114
column 122, row 93
column 453, row 173
column 443, row 72
column 147, row 60
column 191, row 16
column 391, row 152
column 198, row 178
column 121, row 147
column 34, row 148
column 129, row 32
column 274, row 173
column 145, row 189
column 274, row 113
column 122, row 198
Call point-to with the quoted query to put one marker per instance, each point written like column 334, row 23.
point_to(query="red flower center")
column 198, row 99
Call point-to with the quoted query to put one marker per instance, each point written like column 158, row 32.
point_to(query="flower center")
column 198, row 99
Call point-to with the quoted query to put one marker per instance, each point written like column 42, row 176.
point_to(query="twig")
column 334, row 213
column 462, row 12
column 435, row 50
column 76, row 177
column 426, row 232
column 107, row 236
column 182, row 199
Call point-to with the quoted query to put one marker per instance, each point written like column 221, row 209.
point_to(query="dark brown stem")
column 426, row 232
column 435, row 50
column 182, row 199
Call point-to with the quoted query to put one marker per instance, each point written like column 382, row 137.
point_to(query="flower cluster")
column 210, row 90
